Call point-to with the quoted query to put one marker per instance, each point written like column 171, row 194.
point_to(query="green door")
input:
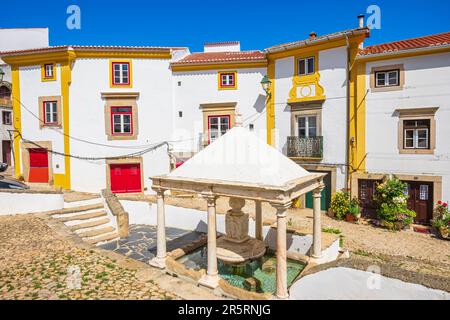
column 326, row 194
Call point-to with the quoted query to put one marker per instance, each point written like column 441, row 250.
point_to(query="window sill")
column 51, row 125
column 122, row 137
column 386, row 89
column 416, row 151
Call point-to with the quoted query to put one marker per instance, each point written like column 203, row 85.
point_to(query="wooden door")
column 421, row 200
column 366, row 190
column 38, row 165
column 6, row 152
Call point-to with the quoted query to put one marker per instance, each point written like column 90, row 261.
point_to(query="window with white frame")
column 48, row 70
column 307, row 126
column 50, row 112
column 217, row 126
column 121, row 120
column 416, row 134
column 387, row 78
column 121, row 73
column 227, row 80
column 306, row 66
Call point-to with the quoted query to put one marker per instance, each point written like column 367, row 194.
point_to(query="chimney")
column 361, row 21
column 312, row 35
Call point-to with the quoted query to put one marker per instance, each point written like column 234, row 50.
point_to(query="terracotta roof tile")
column 221, row 57
column 435, row 40
column 77, row 47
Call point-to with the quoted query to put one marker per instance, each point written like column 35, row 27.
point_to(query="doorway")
column 6, row 152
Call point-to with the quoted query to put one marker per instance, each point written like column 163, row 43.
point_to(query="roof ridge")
column 409, row 39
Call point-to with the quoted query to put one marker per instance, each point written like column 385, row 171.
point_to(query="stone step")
column 96, row 232
column 76, row 209
column 88, row 224
column 103, row 238
column 85, row 216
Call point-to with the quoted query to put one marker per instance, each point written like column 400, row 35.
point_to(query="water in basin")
column 258, row 275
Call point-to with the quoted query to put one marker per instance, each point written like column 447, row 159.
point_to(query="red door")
column 125, row 178
column 38, row 165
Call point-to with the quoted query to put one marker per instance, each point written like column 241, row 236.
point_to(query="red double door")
column 38, row 165
column 125, row 178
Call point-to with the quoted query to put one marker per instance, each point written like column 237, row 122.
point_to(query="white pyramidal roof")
column 240, row 156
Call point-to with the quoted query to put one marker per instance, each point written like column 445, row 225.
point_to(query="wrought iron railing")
column 305, row 147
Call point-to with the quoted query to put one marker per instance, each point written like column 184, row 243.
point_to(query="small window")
column 48, row 68
column 7, row 118
column 416, row 134
column 306, row 66
column 387, row 78
column 121, row 73
column 121, row 120
column 227, row 80
column 50, row 112
column 307, row 126
column 218, row 126
column 48, row 72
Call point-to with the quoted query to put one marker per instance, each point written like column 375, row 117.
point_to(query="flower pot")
column 349, row 217
column 445, row 233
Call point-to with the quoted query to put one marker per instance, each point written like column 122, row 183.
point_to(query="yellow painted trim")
column 306, row 80
column 270, row 105
column 327, row 44
column 361, row 117
column 61, row 56
column 124, row 55
column 111, row 84
column 224, row 66
column 400, row 54
column 15, row 77
column 43, row 77
column 219, row 75
column 64, row 180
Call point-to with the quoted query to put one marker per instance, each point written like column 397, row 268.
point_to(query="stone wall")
column 117, row 210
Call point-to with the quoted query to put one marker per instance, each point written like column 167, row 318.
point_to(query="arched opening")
column 5, row 92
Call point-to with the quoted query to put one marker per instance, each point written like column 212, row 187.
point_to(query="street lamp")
column 266, row 84
column 2, row 73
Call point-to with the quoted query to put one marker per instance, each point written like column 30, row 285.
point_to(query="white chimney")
column 361, row 21
column 228, row 46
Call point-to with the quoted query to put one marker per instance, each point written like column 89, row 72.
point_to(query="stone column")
column 258, row 220
column 160, row 260
column 211, row 278
column 317, row 227
column 282, row 292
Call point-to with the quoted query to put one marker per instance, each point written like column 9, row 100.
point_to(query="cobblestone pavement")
column 34, row 263
column 141, row 243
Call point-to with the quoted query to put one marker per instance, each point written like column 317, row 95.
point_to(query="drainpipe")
column 347, row 127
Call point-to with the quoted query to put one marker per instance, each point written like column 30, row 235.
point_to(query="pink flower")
column 439, row 202
column 445, row 204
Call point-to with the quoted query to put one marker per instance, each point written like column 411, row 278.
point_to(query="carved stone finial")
column 237, row 117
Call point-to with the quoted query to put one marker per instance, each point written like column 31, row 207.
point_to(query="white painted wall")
column 427, row 84
column 31, row 89
column 90, row 77
column 201, row 87
column 20, row 203
column 23, row 38
column 332, row 69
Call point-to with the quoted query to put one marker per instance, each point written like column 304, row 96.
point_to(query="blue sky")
column 257, row 24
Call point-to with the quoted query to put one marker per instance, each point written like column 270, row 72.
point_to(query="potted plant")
column 340, row 203
column 441, row 220
column 393, row 212
column 354, row 211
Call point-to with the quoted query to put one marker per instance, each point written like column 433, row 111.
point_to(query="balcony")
column 305, row 147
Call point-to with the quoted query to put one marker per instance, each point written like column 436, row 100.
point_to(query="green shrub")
column 340, row 204
column 393, row 211
column 354, row 209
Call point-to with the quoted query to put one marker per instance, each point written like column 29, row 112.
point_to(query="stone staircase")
column 88, row 219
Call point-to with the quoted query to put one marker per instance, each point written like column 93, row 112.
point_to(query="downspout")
column 347, row 127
